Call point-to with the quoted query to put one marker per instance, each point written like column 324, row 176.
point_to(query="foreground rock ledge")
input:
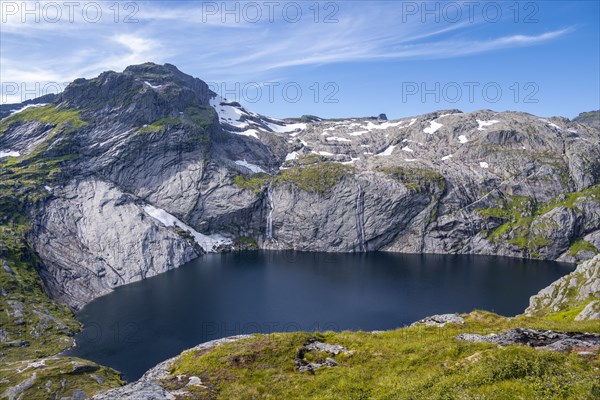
column 147, row 387
column 576, row 342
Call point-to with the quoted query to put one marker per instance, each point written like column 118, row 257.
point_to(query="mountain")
column 121, row 157
column 127, row 175
column 591, row 118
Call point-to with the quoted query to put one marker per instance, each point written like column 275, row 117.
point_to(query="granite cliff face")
column 130, row 174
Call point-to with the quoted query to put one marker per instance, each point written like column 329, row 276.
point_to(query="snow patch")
column 483, row 124
column 449, row 156
column 251, row 167
column 48, row 189
column 357, row 133
column 228, row 114
column 433, row 127
column 9, row 153
column 152, row 86
column 483, row 164
column 410, row 159
column 447, row 115
column 286, row 128
column 371, row 126
column 26, row 107
column 408, row 149
column 337, row 139
column 248, row 132
column 352, row 159
column 572, row 130
column 555, row 126
column 210, row 244
column 292, row 156
column 463, row 139
column 388, row 151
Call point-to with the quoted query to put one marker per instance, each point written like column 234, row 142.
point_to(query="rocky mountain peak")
column 141, row 94
column 591, row 118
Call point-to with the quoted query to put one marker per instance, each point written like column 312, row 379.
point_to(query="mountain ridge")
column 444, row 182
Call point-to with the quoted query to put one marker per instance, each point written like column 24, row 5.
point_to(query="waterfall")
column 360, row 222
column 269, row 229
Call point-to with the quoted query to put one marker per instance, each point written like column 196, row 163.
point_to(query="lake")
column 218, row 295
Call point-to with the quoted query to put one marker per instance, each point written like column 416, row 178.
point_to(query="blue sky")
column 352, row 58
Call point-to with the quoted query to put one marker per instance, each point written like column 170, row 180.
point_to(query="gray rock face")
column 446, row 182
column 364, row 212
column 93, row 237
column 582, row 286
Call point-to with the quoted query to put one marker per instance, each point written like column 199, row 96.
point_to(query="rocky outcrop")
column 440, row 320
column 582, row 343
column 148, row 387
column 578, row 290
column 321, row 355
column 93, row 237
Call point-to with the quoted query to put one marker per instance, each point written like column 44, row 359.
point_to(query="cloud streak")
column 218, row 51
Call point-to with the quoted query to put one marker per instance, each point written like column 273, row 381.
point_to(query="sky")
column 329, row 58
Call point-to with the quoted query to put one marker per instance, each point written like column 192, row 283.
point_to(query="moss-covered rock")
column 417, row 179
column 318, row 178
column 55, row 378
column 569, row 296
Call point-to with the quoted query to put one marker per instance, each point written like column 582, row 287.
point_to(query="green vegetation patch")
column 417, row 179
column 202, row 116
column 160, row 126
column 512, row 208
column 247, row 242
column 63, row 119
column 256, row 182
column 568, row 314
column 33, row 325
column 581, row 245
column 308, row 160
column 571, row 200
column 310, row 174
column 519, row 212
column 316, row 178
column 22, row 179
column 410, row 363
column 572, row 301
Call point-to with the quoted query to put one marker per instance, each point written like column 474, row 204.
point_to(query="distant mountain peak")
column 591, row 118
column 141, row 94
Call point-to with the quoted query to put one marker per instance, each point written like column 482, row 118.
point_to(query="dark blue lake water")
column 143, row 323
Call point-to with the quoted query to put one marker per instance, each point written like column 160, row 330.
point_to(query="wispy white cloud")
column 183, row 34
